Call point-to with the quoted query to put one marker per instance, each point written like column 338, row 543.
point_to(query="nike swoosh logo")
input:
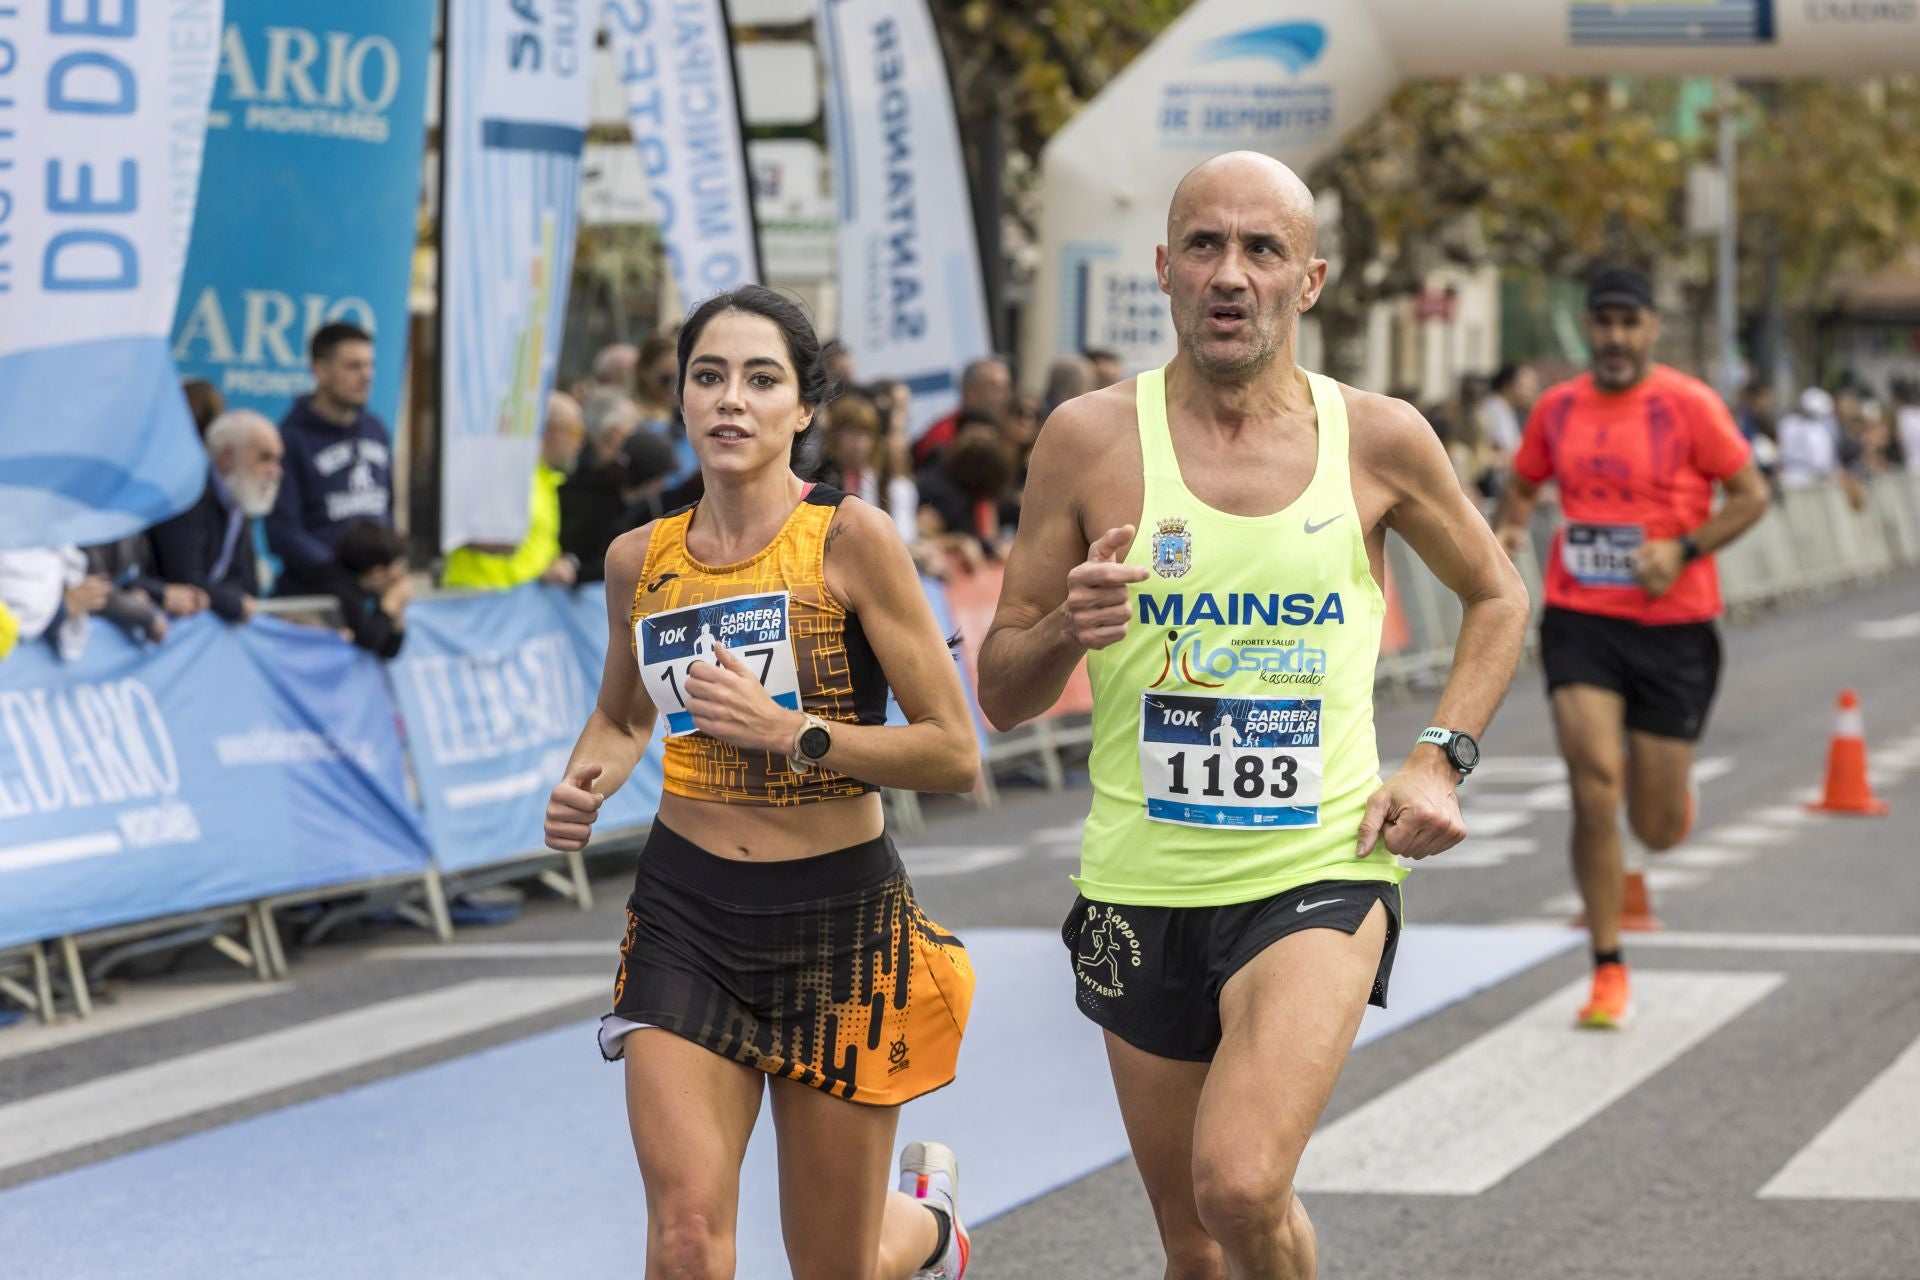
column 1311, row 527
column 660, row 582
column 1324, row 902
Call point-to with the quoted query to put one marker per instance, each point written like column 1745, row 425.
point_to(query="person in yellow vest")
column 538, row 556
column 1210, row 536
column 773, row 944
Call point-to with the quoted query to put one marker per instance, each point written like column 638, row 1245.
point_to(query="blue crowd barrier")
column 493, row 690
column 224, row 765
column 230, row 764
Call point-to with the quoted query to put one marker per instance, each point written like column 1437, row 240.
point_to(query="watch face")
column 1465, row 751
column 814, row 742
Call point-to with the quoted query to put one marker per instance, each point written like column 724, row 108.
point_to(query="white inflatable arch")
column 1291, row 77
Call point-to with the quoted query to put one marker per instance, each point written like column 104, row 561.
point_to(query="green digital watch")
column 1463, row 753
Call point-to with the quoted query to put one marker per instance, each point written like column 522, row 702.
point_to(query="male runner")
column 1628, row 637
column 1251, row 889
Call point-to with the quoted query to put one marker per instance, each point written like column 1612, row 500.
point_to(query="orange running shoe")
column 1609, row 1006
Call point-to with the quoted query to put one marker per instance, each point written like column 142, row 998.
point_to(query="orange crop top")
column 775, row 614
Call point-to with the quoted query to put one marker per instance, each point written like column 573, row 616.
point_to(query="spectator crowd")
column 305, row 507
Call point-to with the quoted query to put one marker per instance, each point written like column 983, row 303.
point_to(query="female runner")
column 772, row 933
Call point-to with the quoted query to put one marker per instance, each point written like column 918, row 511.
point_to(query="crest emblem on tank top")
column 1172, row 548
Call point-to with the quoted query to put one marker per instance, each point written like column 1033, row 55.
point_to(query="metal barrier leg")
column 437, row 904
column 582, row 891
column 42, row 982
column 270, row 940
column 257, row 944
column 76, row 977
column 1050, row 769
column 906, row 815
column 985, row 795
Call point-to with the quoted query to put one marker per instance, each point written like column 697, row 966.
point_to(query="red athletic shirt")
column 1632, row 467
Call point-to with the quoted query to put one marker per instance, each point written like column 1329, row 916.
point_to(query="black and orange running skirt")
column 822, row 970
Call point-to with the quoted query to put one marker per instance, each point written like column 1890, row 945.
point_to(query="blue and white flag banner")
column 312, row 186
column 222, row 765
column 676, row 66
column 518, row 76
column 912, row 304
column 495, row 690
column 102, row 110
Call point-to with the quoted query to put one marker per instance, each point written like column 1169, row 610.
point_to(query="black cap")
column 1619, row 287
column 649, row 457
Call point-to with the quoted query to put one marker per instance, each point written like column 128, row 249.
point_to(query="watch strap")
column 1437, row 736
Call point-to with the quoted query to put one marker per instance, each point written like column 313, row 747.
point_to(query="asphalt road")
column 1762, row 1121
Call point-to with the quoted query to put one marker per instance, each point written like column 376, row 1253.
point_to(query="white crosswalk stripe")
column 1503, row 1099
column 1871, row 1150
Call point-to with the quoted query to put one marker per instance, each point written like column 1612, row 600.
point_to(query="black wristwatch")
column 1463, row 753
column 1689, row 549
column 810, row 745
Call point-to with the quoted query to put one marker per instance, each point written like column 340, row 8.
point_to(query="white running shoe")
column 929, row 1172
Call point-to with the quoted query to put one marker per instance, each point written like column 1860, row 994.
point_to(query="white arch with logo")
column 1291, row 77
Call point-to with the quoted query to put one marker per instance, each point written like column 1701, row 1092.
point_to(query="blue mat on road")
column 514, row 1161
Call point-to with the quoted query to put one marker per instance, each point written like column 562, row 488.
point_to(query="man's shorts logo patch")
column 1172, row 549
column 897, row 1056
column 1108, row 946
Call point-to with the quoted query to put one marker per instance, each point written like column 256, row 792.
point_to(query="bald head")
column 1238, row 265
column 1243, row 180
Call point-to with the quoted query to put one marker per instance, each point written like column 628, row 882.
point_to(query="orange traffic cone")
column 1636, row 910
column 1636, row 907
column 1848, row 790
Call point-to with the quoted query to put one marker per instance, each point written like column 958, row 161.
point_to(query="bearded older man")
column 208, row 547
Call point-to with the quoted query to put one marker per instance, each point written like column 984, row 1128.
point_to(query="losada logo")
column 1167, row 647
column 1105, row 940
column 1294, row 45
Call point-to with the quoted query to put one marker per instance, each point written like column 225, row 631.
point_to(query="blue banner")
column 222, row 765
column 518, row 77
column 495, row 689
column 913, row 305
column 676, row 65
column 101, row 113
column 312, row 186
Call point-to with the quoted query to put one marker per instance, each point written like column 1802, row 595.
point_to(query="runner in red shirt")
column 1629, row 644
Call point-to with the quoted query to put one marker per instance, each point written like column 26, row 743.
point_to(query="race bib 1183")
column 752, row 628
column 1601, row 555
column 1230, row 762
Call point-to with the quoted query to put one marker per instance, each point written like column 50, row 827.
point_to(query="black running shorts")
column 1667, row 674
column 1153, row 975
column 822, row 970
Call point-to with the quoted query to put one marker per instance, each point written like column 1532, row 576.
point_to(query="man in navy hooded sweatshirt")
column 339, row 466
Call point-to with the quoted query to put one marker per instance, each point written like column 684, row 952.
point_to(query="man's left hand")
column 1657, row 564
column 1414, row 814
column 728, row 703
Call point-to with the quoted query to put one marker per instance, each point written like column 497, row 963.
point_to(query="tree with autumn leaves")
column 1529, row 173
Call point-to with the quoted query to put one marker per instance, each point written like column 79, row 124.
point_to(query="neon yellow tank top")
column 1233, row 748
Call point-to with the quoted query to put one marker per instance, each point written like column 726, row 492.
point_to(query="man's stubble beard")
column 1268, row 339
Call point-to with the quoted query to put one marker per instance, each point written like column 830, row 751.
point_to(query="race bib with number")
column 752, row 628
column 1601, row 555
column 1231, row 762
